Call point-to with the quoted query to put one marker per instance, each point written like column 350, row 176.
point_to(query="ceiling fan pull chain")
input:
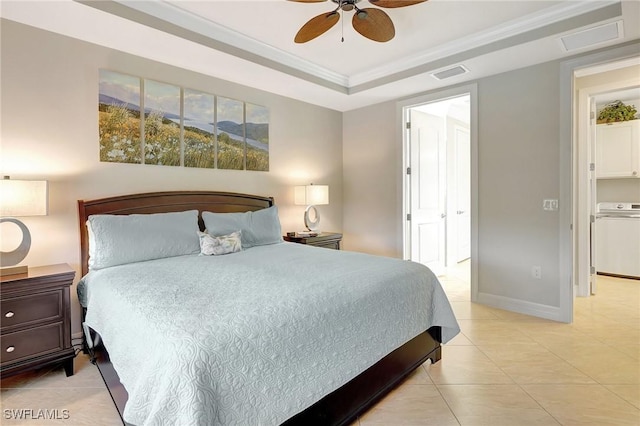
column 342, row 23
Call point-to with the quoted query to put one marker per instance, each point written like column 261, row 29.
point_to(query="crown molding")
column 217, row 35
column 172, row 13
column 508, row 29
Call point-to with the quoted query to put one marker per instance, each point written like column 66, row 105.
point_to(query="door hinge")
column 593, row 270
column 408, row 125
column 592, row 115
column 408, row 170
column 592, row 218
column 592, row 167
column 408, row 216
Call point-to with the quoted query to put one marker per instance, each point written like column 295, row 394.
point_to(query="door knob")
column 460, row 211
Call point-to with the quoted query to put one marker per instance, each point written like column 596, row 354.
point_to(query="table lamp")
column 20, row 198
column 311, row 196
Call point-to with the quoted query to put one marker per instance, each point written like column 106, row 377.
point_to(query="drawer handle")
column 11, row 349
column 9, row 314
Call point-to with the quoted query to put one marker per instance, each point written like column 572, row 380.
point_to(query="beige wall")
column 49, row 99
column 372, row 158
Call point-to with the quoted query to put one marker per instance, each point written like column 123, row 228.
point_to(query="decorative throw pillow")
column 258, row 227
column 210, row 245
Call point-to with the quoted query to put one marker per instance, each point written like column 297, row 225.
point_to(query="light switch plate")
column 550, row 204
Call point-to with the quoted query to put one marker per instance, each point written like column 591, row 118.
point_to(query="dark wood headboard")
column 163, row 202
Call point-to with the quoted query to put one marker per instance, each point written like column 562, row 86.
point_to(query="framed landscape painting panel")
column 145, row 121
column 161, row 124
column 198, row 129
column 257, row 137
column 230, row 131
column 119, row 117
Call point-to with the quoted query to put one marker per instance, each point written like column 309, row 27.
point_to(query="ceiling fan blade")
column 374, row 24
column 317, row 26
column 395, row 3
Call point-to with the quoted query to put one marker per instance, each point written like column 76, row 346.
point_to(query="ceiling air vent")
column 450, row 72
column 592, row 36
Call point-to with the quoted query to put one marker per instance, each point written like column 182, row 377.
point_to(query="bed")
column 332, row 369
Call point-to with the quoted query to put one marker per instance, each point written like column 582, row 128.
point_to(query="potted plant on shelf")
column 617, row 111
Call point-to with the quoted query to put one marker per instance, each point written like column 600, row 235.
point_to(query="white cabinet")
column 618, row 150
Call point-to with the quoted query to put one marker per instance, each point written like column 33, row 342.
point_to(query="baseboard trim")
column 521, row 306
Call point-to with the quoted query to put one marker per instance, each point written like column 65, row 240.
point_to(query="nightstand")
column 35, row 325
column 324, row 239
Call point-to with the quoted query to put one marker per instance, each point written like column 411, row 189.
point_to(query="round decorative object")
column 312, row 218
column 10, row 258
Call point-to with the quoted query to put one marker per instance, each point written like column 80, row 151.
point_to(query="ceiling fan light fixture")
column 371, row 23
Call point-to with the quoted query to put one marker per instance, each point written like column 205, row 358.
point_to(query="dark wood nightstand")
column 35, row 325
column 324, row 239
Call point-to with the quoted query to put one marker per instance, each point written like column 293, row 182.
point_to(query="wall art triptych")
column 144, row 121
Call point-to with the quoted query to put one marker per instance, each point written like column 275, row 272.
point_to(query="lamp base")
column 312, row 219
column 14, row 270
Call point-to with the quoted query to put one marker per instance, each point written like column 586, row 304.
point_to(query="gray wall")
column 49, row 98
column 519, row 154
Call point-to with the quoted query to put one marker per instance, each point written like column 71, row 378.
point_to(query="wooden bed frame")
column 340, row 407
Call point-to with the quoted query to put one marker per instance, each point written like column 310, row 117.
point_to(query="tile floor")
column 503, row 369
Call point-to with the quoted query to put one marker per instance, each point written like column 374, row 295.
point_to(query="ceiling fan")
column 372, row 23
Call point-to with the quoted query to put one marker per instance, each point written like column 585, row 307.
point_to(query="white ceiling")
column 251, row 42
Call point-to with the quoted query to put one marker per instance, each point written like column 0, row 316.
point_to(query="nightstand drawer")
column 335, row 245
column 33, row 342
column 324, row 239
column 30, row 309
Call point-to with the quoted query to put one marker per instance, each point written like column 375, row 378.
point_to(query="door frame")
column 434, row 96
column 569, row 182
column 585, row 154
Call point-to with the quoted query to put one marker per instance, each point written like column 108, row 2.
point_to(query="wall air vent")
column 450, row 72
column 592, row 36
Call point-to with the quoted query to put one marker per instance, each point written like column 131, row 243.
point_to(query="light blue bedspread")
column 254, row 337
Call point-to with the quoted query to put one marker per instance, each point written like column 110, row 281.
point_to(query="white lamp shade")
column 23, row 198
column 311, row 195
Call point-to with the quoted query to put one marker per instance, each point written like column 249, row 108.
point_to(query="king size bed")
column 272, row 333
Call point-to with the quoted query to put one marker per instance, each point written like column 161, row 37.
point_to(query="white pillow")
column 210, row 245
column 258, row 228
column 119, row 239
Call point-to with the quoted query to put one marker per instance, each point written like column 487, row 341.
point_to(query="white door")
column 593, row 142
column 427, row 181
column 463, row 192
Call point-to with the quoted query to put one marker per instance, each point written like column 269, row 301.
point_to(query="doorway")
column 596, row 88
column 440, row 194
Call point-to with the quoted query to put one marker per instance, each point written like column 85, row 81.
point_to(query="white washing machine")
column 618, row 239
